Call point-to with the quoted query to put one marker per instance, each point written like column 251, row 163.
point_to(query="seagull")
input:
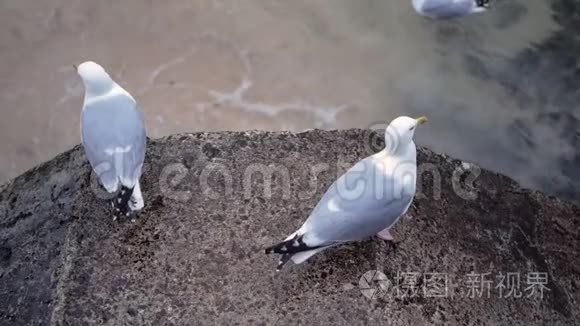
column 114, row 137
column 366, row 200
column 445, row 9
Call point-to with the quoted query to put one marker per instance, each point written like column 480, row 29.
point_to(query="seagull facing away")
column 445, row 9
column 113, row 136
column 366, row 200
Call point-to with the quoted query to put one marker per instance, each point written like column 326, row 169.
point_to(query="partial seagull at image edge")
column 446, row 9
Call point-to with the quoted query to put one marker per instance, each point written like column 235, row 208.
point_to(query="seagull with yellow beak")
column 367, row 200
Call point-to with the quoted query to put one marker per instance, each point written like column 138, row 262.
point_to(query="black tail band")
column 121, row 202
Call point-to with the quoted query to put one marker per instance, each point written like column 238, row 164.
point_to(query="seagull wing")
column 114, row 138
column 362, row 202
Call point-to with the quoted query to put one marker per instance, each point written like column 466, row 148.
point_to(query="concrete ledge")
column 195, row 255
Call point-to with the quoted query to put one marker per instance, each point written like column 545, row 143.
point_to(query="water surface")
column 500, row 89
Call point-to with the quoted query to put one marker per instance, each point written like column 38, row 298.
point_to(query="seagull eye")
column 412, row 128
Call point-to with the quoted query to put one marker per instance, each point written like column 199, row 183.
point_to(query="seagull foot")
column 385, row 235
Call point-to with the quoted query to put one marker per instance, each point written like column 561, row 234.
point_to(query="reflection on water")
column 499, row 88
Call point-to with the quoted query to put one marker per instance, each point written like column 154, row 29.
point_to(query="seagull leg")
column 386, row 236
column 134, row 216
column 283, row 260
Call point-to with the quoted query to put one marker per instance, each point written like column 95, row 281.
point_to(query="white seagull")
column 444, row 9
column 113, row 136
column 366, row 200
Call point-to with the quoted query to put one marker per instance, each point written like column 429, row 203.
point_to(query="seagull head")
column 96, row 80
column 400, row 131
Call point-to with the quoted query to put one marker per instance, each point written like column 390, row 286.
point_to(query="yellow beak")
column 421, row 120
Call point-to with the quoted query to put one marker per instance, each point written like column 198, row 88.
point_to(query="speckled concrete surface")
column 195, row 255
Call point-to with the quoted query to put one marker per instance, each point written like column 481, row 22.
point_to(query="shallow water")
column 499, row 88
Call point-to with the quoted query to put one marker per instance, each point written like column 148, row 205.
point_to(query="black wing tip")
column 291, row 246
column 120, row 203
column 282, row 249
column 482, row 3
column 283, row 260
column 287, row 249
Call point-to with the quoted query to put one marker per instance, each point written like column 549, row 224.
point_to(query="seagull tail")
column 292, row 247
column 121, row 202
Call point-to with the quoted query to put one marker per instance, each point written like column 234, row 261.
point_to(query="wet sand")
column 279, row 65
